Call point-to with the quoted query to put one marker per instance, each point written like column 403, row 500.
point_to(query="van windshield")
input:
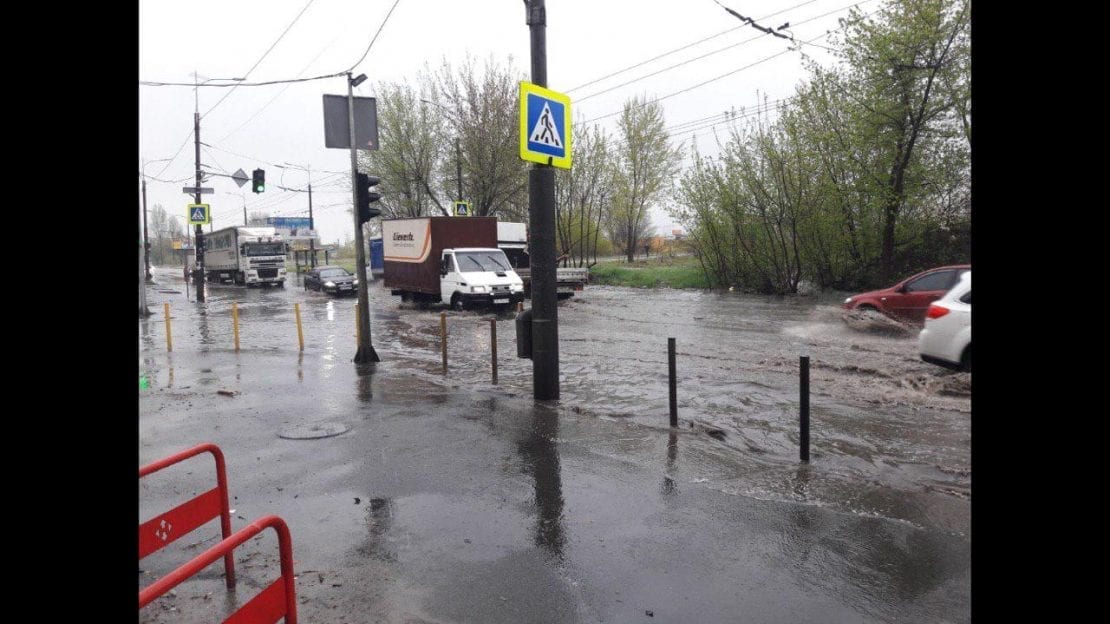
column 477, row 261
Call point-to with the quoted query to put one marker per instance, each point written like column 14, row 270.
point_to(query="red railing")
column 162, row 530
column 278, row 600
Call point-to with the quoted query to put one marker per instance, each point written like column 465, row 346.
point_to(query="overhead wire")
column 263, row 57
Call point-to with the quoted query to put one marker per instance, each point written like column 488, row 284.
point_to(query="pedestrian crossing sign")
column 199, row 214
column 462, row 208
column 545, row 126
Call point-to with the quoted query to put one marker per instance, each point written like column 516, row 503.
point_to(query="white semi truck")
column 245, row 255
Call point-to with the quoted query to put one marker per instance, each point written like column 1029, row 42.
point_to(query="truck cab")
column 478, row 276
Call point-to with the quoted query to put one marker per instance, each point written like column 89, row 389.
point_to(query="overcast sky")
column 267, row 126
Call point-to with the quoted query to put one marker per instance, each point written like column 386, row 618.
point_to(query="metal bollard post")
column 493, row 347
column 169, row 330
column 674, row 390
column 803, row 400
column 300, row 332
column 443, row 338
column 235, row 323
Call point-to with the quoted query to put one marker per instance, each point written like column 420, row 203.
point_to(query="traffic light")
column 366, row 197
column 258, row 185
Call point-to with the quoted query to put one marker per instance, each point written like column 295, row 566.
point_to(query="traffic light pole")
column 541, row 222
column 365, row 353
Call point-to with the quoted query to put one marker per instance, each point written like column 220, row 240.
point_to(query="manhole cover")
column 313, row 431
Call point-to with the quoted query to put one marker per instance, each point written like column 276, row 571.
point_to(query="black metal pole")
column 541, row 221
column 803, row 400
column 673, row 382
column 199, row 274
column 365, row 353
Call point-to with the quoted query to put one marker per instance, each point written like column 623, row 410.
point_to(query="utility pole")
column 365, row 353
column 198, row 274
column 458, row 164
column 541, row 222
column 146, row 238
column 311, row 227
column 143, row 310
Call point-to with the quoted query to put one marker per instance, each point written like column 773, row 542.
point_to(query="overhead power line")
column 263, row 57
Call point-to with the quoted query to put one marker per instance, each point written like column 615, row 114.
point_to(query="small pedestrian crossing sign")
column 199, row 214
column 462, row 208
column 545, row 126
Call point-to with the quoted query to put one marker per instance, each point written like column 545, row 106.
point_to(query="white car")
column 946, row 339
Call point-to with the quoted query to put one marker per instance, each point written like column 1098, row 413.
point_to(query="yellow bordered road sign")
column 462, row 208
column 199, row 214
column 545, row 126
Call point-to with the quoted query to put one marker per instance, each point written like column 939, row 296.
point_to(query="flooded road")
column 890, row 434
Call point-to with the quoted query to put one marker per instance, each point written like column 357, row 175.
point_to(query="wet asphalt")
column 450, row 499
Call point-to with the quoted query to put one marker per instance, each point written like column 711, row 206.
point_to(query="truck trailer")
column 448, row 259
column 249, row 256
column 512, row 238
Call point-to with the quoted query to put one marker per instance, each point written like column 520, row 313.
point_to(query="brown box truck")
column 448, row 259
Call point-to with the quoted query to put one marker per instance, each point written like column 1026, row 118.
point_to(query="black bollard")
column 803, row 399
column 674, row 393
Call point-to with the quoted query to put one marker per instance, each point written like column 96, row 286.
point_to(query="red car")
column 909, row 299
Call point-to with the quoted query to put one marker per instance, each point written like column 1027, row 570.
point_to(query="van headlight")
column 479, row 289
column 517, row 287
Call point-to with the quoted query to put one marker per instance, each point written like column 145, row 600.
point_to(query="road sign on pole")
column 192, row 190
column 199, row 214
column 545, row 126
column 240, row 177
column 462, row 208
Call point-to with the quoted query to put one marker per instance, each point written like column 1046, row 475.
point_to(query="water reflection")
column 379, row 520
column 300, row 366
column 541, row 457
column 365, row 391
column 202, row 326
column 669, row 485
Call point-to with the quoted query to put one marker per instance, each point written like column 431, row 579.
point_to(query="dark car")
column 909, row 299
column 331, row 279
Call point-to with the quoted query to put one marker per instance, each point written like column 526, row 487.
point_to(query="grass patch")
column 684, row 272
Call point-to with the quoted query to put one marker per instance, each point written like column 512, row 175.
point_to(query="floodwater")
column 890, row 434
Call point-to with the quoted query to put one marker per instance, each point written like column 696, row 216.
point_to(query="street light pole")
column 365, row 353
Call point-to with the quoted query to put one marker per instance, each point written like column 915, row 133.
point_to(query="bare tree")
column 580, row 194
column 486, row 116
column 411, row 133
column 645, row 164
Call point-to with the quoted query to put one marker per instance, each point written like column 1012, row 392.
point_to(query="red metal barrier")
column 278, row 600
column 162, row 530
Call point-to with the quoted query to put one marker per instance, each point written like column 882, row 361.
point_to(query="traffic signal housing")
column 258, row 181
column 366, row 197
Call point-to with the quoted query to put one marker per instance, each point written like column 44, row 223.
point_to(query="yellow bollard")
column 443, row 338
column 300, row 333
column 493, row 347
column 169, row 330
column 358, row 331
column 235, row 323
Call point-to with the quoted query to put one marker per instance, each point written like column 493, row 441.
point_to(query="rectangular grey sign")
column 337, row 132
